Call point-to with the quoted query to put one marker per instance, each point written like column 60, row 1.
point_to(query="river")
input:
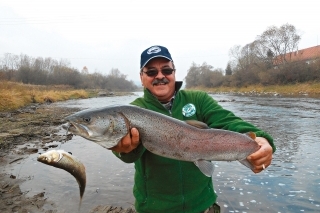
column 290, row 184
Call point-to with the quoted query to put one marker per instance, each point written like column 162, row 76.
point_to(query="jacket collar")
column 178, row 85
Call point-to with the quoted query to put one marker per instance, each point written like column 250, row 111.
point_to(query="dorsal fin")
column 197, row 124
column 251, row 135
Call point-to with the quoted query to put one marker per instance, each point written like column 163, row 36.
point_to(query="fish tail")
column 82, row 189
column 80, row 202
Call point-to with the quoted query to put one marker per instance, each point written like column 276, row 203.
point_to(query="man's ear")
column 141, row 78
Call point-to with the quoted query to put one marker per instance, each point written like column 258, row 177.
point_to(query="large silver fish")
column 67, row 162
column 163, row 135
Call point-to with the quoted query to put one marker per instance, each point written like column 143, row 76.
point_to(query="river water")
column 290, row 184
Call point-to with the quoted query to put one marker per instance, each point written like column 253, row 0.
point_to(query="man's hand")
column 262, row 158
column 128, row 143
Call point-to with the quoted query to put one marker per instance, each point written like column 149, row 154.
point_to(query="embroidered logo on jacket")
column 188, row 110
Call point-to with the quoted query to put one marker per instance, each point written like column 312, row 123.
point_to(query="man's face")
column 162, row 86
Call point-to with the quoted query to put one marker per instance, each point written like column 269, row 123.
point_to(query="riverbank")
column 25, row 131
column 15, row 95
column 295, row 90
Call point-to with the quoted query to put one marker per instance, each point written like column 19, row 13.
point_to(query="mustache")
column 159, row 81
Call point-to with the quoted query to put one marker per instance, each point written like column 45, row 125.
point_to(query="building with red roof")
column 307, row 55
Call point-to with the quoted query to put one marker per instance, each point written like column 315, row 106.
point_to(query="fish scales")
column 179, row 140
column 161, row 134
column 77, row 169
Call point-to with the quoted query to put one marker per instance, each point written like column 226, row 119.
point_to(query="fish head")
column 105, row 126
column 50, row 157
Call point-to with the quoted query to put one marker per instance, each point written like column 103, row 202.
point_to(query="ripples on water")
column 290, row 184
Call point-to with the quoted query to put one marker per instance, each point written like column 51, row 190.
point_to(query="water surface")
column 290, row 184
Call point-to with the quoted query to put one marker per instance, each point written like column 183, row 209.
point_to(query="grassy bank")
column 15, row 95
column 309, row 89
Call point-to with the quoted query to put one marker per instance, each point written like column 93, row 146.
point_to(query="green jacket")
column 167, row 185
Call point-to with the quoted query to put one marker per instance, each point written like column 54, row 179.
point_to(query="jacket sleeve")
column 215, row 116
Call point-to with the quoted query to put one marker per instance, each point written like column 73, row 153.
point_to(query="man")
column 166, row 185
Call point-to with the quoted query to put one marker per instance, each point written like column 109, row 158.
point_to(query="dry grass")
column 15, row 95
column 312, row 89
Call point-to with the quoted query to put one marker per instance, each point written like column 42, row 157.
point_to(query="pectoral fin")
column 197, row 124
column 251, row 135
column 206, row 167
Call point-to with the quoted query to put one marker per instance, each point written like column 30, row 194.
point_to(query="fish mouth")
column 77, row 129
column 81, row 130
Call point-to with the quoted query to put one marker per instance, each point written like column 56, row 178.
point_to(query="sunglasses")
column 154, row 73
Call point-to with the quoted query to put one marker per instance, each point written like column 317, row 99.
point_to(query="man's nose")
column 160, row 75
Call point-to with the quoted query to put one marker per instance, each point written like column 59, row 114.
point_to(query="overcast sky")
column 105, row 34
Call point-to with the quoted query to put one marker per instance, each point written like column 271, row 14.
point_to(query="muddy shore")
column 23, row 132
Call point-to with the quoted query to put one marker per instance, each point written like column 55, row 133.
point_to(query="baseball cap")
column 154, row 52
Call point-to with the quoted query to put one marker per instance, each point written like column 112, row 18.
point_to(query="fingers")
column 259, row 158
column 260, row 164
column 125, row 143
column 262, row 158
column 128, row 143
column 135, row 138
column 260, row 168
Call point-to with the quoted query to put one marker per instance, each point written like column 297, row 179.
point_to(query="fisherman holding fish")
column 168, row 185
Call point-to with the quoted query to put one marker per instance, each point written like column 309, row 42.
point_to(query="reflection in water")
column 290, row 184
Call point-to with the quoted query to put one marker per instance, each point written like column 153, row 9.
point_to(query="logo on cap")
column 153, row 50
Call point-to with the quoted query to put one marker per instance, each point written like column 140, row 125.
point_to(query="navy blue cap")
column 154, row 52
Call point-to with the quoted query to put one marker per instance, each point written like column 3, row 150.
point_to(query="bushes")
column 48, row 71
column 296, row 72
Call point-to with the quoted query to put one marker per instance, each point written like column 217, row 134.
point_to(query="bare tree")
column 115, row 73
column 48, row 71
column 49, row 64
column 9, row 64
column 280, row 41
column 263, row 54
column 203, row 75
column 235, row 53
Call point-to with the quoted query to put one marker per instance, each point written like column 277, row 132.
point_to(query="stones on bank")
column 104, row 93
column 23, row 132
column 112, row 209
column 249, row 93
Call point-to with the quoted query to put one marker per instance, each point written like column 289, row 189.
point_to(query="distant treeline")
column 48, row 71
column 265, row 61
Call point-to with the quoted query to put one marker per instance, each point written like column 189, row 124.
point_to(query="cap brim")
column 156, row 56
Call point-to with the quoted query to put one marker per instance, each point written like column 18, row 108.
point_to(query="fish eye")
column 87, row 119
